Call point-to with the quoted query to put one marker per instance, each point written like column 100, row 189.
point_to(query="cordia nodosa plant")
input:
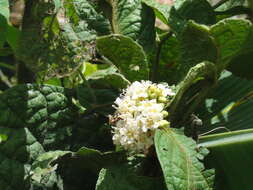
column 126, row 95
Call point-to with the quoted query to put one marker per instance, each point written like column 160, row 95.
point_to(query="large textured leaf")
column 234, row 38
column 169, row 62
column 44, row 170
column 196, row 45
column 122, row 178
column 161, row 11
column 45, row 110
column 90, row 12
column 191, row 92
column 34, row 118
column 126, row 54
column 198, row 10
column 229, row 105
column 130, row 18
column 16, row 155
column 226, row 151
column 133, row 19
column 50, row 44
column 180, row 161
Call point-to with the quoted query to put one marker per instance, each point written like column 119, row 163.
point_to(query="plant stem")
column 219, row 4
column 157, row 58
column 94, row 98
column 5, row 79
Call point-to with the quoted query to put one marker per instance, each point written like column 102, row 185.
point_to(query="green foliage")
column 122, row 178
column 226, row 150
column 56, row 129
column 127, row 55
column 180, row 164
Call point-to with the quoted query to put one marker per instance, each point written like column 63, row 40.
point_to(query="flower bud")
column 164, row 123
column 165, row 114
column 162, row 99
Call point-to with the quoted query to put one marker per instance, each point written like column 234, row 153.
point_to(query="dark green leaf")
column 16, row 155
column 161, row 11
column 12, row 37
column 226, row 151
column 180, row 163
column 100, row 100
column 3, row 30
column 90, row 12
column 135, row 20
column 229, row 105
column 45, row 110
column 44, row 170
column 196, row 45
column 122, row 178
column 109, row 77
column 126, row 54
column 129, row 18
column 198, row 10
column 234, row 38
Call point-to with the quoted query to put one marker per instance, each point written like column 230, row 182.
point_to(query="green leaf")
column 129, row 18
column 228, row 105
column 45, row 110
column 122, row 178
column 180, row 161
column 4, row 7
column 3, row 30
column 57, row 4
column 16, row 155
column 135, row 20
column 12, row 37
column 198, row 10
column 169, row 62
column 126, row 55
column 161, row 11
column 90, row 12
column 234, row 38
column 47, row 42
column 3, row 138
column 195, row 45
column 100, row 100
column 44, row 169
column 95, row 159
column 198, row 81
column 109, row 77
column 80, row 169
column 226, row 151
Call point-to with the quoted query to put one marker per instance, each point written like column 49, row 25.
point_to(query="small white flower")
column 139, row 111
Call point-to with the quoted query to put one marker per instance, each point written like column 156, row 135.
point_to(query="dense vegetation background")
column 64, row 62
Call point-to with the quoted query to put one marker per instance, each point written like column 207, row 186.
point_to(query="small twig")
column 219, row 4
column 158, row 53
column 89, row 87
column 213, row 130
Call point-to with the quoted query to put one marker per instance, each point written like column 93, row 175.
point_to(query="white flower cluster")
column 140, row 110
